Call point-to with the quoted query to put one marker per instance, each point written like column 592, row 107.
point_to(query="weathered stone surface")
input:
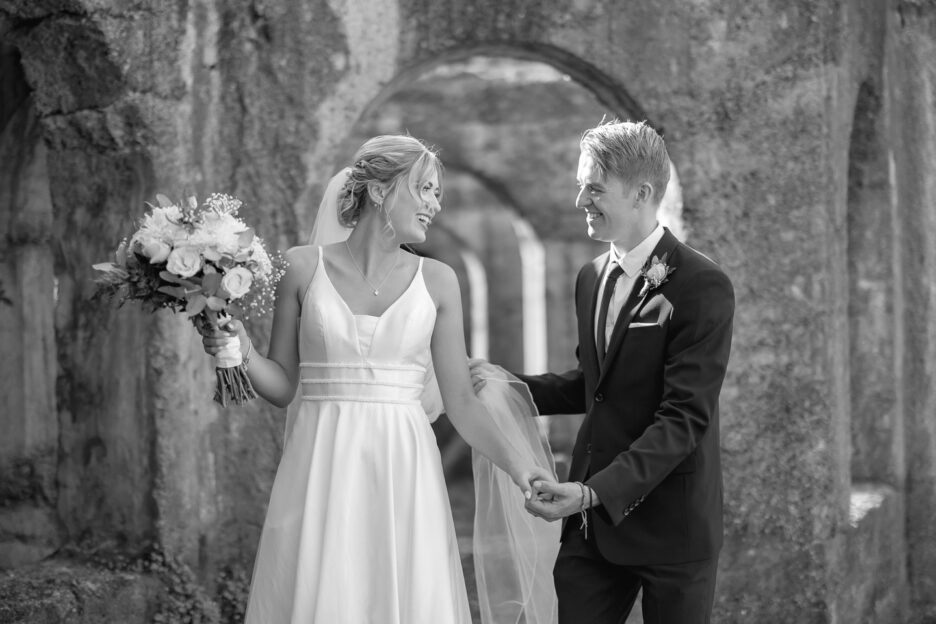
column 58, row 592
column 29, row 532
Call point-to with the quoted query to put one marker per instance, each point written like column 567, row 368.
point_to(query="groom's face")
column 609, row 203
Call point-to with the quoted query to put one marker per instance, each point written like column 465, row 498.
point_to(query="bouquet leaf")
column 173, row 291
column 216, row 303
column 211, row 283
column 196, row 305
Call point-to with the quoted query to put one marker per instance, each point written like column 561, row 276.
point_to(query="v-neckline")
column 387, row 309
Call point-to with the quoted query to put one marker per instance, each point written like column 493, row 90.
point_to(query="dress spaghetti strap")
column 305, row 291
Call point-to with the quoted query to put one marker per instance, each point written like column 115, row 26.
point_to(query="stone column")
column 910, row 105
column 29, row 526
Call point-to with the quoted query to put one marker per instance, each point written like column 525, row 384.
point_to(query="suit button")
column 599, row 397
column 588, row 448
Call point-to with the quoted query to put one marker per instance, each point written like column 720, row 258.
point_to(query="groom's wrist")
column 591, row 498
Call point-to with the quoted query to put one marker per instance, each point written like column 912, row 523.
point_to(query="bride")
column 359, row 527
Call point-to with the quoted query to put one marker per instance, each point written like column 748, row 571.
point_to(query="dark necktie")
column 610, row 283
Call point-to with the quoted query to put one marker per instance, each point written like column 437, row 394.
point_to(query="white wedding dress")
column 359, row 527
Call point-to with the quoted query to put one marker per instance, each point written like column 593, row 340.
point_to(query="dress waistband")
column 363, row 382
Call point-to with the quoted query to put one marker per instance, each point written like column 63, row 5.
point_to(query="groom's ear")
column 376, row 191
column 644, row 193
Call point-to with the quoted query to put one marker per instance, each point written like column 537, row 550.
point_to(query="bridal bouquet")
column 200, row 259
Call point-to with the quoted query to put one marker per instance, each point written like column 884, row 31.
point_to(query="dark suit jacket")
column 649, row 445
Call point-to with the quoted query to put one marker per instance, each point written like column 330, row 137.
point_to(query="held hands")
column 527, row 478
column 553, row 501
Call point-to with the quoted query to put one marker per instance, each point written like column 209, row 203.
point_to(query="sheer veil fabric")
column 514, row 552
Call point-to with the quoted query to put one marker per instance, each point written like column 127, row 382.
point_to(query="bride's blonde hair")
column 391, row 160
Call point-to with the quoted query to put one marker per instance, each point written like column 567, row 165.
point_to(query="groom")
column 643, row 505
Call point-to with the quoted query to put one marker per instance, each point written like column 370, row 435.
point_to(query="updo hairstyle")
column 391, row 160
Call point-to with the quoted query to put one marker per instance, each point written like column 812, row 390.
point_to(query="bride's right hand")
column 214, row 338
column 528, row 476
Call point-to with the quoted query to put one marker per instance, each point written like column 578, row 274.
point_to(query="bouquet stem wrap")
column 233, row 382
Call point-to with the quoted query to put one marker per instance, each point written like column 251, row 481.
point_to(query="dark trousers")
column 592, row 590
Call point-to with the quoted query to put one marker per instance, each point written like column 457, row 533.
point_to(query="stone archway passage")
column 613, row 97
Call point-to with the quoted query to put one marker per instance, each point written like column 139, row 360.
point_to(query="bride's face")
column 412, row 210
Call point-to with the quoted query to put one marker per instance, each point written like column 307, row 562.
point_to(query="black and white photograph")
column 468, row 312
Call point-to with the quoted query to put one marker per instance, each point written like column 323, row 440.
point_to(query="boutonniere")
column 655, row 273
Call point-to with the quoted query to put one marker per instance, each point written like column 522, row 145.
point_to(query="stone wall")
column 779, row 118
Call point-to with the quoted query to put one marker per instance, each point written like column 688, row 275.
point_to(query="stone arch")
column 605, row 88
column 875, row 415
column 615, row 99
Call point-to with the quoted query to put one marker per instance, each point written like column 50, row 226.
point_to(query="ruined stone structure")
column 804, row 135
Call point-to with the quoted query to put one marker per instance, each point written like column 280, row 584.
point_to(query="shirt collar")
column 636, row 258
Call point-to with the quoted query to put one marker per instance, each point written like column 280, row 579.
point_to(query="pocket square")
column 638, row 325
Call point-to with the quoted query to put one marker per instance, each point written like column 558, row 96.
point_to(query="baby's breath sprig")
column 223, row 204
column 258, row 302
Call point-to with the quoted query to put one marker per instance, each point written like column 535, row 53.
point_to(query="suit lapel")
column 633, row 304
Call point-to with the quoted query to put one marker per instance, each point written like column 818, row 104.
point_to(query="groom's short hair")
column 630, row 150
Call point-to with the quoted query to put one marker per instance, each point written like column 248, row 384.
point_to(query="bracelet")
column 246, row 357
column 584, row 523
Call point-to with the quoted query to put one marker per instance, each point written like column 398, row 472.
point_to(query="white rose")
column 184, row 262
column 161, row 223
column 656, row 273
column 237, row 282
column 156, row 250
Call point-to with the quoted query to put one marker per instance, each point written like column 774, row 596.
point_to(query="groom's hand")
column 480, row 369
column 555, row 501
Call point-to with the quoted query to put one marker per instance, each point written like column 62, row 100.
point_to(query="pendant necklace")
column 376, row 288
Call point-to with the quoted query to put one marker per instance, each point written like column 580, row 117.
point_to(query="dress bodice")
column 380, row 359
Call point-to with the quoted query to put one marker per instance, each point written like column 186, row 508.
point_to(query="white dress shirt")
column 631, row 262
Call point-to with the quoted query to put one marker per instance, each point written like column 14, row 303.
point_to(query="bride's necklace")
column 376, row 288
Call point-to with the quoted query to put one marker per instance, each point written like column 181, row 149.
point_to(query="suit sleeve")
column 557, row 393
column 697, row 352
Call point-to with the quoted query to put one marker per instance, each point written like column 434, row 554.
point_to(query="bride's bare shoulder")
column 301, row 262
column 302, row 257
column 440, row 278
